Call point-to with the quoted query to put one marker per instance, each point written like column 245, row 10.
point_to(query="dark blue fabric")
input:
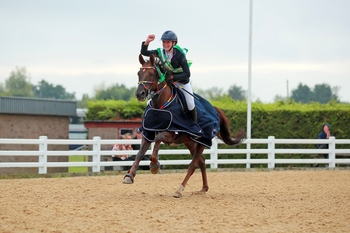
column 176, row 118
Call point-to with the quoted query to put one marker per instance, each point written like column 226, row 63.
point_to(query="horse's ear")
column 152, row 59
column 141, row 60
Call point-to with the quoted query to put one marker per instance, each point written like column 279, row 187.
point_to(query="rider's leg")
column 193, row 113
column 190, row 100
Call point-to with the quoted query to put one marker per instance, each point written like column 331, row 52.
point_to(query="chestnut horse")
column 160, row 92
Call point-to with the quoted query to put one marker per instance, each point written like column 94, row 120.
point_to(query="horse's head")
column 148, row 78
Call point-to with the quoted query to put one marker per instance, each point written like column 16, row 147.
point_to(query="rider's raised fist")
column 150, row 38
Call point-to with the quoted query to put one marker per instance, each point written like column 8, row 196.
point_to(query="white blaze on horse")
column 166, row 120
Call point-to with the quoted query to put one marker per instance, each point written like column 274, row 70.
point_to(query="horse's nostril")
column 141, row 95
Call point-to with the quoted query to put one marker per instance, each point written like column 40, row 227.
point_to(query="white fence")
column 214, row 152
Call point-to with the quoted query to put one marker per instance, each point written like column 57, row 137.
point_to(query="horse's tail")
column 224, row 133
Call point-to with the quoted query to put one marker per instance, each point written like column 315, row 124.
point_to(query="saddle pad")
column 173, row 118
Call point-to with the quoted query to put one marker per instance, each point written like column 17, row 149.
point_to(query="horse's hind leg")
column 197, row 160
column 201, row 164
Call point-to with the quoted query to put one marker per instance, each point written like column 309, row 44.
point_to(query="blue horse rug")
column 176, row 118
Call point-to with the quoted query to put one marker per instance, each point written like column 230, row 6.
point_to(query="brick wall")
column 32, row 127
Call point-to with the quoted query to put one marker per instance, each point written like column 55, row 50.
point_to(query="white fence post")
column 271, row 154
column 248, row 157
column 43, row 155
column 214, row 154
column 331, row 155
column 96, row 158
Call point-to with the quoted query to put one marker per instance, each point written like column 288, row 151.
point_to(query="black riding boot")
column 193, row 113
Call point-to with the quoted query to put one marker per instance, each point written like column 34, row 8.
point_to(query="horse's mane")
column 158, row 62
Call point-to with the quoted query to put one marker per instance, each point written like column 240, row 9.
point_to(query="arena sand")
column 272, row 201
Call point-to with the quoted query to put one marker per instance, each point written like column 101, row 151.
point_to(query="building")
column 32, row 118
column 77, row 129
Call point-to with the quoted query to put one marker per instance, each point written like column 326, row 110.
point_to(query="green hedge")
column 104, row 110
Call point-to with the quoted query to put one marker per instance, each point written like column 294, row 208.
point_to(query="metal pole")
column 249, row 99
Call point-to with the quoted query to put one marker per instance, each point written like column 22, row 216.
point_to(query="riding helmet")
column 169, row 35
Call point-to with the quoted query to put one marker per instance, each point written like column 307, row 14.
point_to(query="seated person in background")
column 137, row 136
column 123, row 147
column 325, row 134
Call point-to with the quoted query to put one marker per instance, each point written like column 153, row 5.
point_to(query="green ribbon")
column 167, row 63
column 162, row 76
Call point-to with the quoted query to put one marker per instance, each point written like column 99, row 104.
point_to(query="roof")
column 36, row 106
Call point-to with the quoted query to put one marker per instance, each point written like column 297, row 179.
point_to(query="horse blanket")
column 176, row 118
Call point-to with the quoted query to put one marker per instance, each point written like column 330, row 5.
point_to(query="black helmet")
column 169, row 35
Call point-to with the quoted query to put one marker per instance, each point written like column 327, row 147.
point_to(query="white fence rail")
column 213, row 161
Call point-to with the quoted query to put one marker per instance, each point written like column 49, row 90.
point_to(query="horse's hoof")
column 154, row 168
column 128, row 179
column 178, row 192
column 200, row 192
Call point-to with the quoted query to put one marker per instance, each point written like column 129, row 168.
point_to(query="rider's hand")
column 150, row 38
column 170, row 78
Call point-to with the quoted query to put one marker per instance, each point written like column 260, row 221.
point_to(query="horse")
column 160, row 92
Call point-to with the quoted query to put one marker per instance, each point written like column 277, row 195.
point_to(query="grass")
column 77, row 159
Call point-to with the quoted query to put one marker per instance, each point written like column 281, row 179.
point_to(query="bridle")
column 151, row 93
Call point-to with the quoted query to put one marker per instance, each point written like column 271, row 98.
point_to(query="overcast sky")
column 88, row 44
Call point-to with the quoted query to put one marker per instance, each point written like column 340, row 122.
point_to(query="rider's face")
column 167, row 44
column 325, row 128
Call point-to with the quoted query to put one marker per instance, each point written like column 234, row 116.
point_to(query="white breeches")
column 189, row 97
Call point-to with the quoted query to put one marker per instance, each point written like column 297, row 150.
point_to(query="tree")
column 236, row 93
column 116, row 92
column 279, row 98
column 83, row 103
column 210, row 94
column 323, row 93
column 47, row 90
column 18, row 84
column 2, row 89
column 302, row 94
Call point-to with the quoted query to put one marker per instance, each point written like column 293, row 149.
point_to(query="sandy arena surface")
column 273, row 201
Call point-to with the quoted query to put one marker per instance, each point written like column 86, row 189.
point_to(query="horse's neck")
column 161, row 99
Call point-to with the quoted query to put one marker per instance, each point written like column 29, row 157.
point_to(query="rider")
column 174, row 59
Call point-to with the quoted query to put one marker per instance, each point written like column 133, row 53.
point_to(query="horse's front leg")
column 129, row 177
column 166, row 137
column 154, row 166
